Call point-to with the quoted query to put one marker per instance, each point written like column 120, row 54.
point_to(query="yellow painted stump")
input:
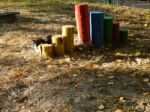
column 47, row 50
column 68, row 33
column 58, row 42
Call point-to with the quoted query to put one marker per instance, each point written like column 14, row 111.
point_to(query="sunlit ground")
column 89, row 80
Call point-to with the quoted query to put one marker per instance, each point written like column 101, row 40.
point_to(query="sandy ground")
column 89, row 80
column 139, row 4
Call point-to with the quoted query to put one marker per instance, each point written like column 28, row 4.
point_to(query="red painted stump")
column 82, row 19
column 116, row 36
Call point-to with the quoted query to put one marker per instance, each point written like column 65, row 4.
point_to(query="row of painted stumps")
column 101, row 30
column 96, row 29
column 58, row 45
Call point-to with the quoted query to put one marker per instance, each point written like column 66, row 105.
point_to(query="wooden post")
column 82, row 20
column 68, row 35
column 47, row 50
column 96, row 28
column 123, row 36
column 58, row 41
column 108, row 30
column 110, row 1
column 116, row 36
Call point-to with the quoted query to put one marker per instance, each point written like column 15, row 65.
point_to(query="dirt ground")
column 139, row 4
column 89, row 80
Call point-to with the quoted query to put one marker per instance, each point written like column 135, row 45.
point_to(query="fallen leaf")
column 61, row 62
column 137, row 53
column 111, row 77
column 101, row 75
column 111, row 83
column 88, row 97
column 145, row 25
column 67, row 59
column 118, row 54
column 66, row 110
column 146, row 80
column 69, row 101
column 122, row 99
column 75, row 75
column 138, row 60
column 101, row 107
column 94, row 66
column 146, row 93
column 105, row 65
column 118, row 60
column 118, row 110
column 48, row 61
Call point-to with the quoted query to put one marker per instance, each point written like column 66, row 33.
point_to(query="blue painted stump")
column 97, row 28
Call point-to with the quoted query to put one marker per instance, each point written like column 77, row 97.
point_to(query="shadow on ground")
column 83, row 92
column 75, row 88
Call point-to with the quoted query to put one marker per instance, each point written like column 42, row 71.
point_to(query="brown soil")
column 89, row 80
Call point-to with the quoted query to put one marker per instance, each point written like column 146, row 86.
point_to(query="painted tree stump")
column 108, row 30
column 123, row 35
column 47, row 50
column 59, row 45
column 8, row 17
column 116, row 35
column 82, row 20
column 96, row 28
column 68, row 33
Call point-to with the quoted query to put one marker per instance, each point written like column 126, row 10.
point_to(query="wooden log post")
column 123, row 36
column 108, row 30
column 96, row 28
column 58, row 41
column 82, row 20
column 68, row 35
column 116, row 35
column 47, row 50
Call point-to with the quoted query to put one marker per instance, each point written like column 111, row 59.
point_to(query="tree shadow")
column 54, row 7
column 83, row 92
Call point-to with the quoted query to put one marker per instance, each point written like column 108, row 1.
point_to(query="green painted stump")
column 123, row 36
column 108, row 30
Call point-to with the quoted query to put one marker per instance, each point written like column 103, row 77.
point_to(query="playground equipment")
column 47, row 50
column 82, row 20
column 103, row 31
column 116, row 35
column 68, row 33
column 108, row 30
column 58, row 41
column 96, row 28
column 123, row 36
